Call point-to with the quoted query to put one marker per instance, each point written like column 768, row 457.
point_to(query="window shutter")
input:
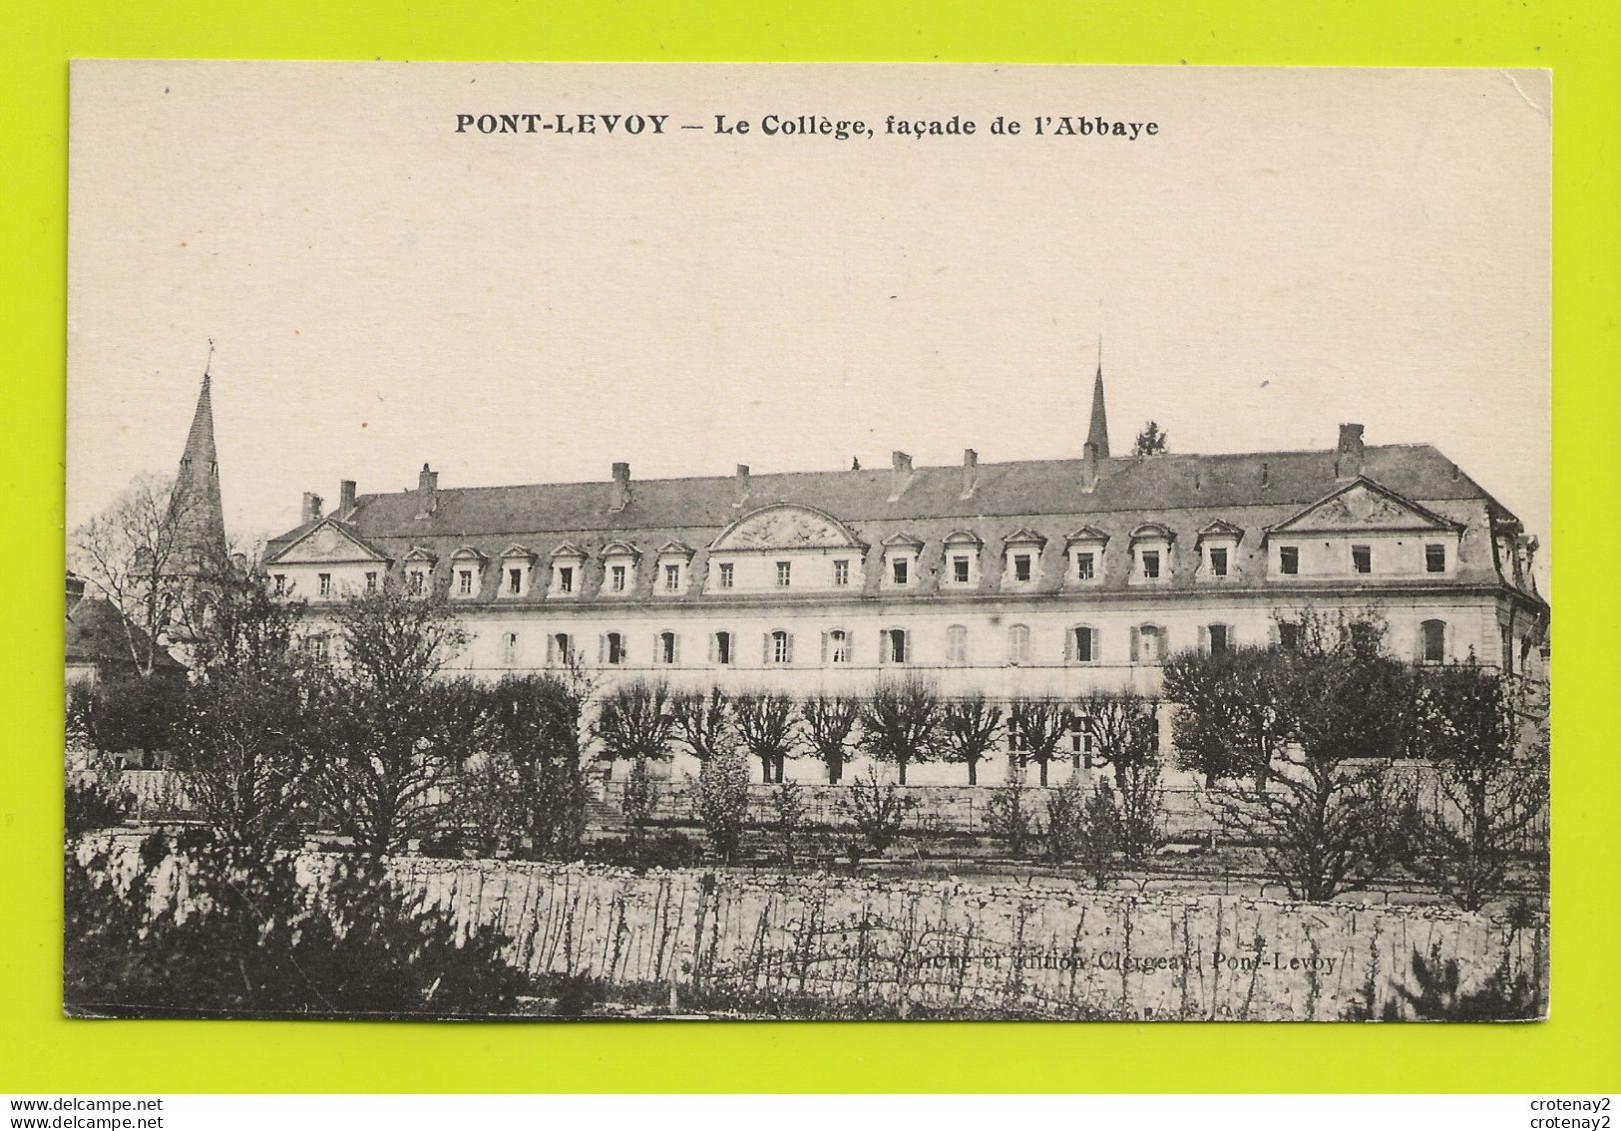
column 602, row 649
column 765, row 648
column 788, row 649
column 1069, row 645
column 714, row 646
column 658, row 648
column 1204, row 639
column 1136, row 642
column 906, row 645
column 1164, row 645
column 824, row 648
column 883, row 645
column 1232, row 637
column 551, row 648
column 677, row 650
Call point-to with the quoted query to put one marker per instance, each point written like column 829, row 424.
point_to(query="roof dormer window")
column 1151, row 554
column 1021, row 559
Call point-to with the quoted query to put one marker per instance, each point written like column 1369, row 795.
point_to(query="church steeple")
column 195, row 502
column 1097, row 436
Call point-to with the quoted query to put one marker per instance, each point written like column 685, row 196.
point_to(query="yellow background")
column 1575, row 1051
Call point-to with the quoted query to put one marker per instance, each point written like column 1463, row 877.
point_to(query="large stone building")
column 1033, row 578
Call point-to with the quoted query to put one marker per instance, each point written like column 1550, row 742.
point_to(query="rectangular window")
column 416, row 583
column 281, row 584
column 667, row 647
column 1218, row 561
column 1085, row 642
column 565, row 579
column 672, row 578
column 1289, row 559
column 616, row 648
column 841, row 572
column 1151, row 564
column 325, row 581
column 895, row 645
column 562, row 648
column 725, row 575
column 1435, row 558
column 618, row 576
column 371, row 581
column 1084, row 567
column 959, row 570
column 838, row 650
column 899, row 570
column 1289, row 636
column 782, row 648
column 723, row 647
column 957, row 644
column 1362, row 559
column 785, row 574
column 515, row 581
column 1218, row 639
column 1021, row 567
column 464, row 582
column 510, row 648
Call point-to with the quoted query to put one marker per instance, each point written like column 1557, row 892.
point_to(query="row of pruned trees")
column 898, row 723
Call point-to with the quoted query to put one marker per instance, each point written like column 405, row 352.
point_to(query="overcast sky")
column 1293, row 249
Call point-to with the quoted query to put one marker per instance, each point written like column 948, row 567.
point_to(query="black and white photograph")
column 807, row 542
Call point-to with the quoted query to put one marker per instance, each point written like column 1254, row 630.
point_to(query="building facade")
column 1035, row 578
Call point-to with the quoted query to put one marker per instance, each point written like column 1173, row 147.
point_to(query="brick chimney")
column 970, row 472
column 1348, row 456
column 900, row 476
column 310, row 510
column 619, row 499
column 346, row 497
column 427, row 492
column 742, row 485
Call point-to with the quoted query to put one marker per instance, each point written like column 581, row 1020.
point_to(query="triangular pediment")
column 675, row 548
column 1362, row 505
column 620, row 549
column 467, row 553
column 1087, row 534
column 903, row 541
column 569, row 550
column 421, row 554
column 330, row 541
column 1026, row 537
column 786, row 526
column 517, row 550
column 1221, row 529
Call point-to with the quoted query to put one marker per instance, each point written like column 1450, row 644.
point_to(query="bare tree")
column 900, row 723
column 634, row 722
column 969, row 731
column 1125, row 735
column 137, row 555
column 393, row 731
column 1486, row 736
column 701, row 720
column 767, row 725
column 829, row 721
column 1038, row 726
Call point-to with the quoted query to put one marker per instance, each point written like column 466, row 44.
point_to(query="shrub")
column 877, row 810
column 1007, row 815
column 1100, row 836
column 206, row 927
column 91, row 804
column 723, row 800
column 788, row 816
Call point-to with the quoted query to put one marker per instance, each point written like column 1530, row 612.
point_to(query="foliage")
column 525, row 793
column 1065, row 810
column 129, row 713
column 1007, row 815
column 969, row 731
column 1125, row 735
column 91, row 803
column 1151, row 441
column 206, row 927
column 652, row 850
column 829, row 721
column 723, row 799
column 393, row 732
column 1100, row 836
column 1486, row 736
column 788, row 816
column 900, row 723
column 1439, row 996
column 701, row 720
column 641, row 796
column 1038, row 726
column 766, row 723
column 877, row 809
column 1299, row 743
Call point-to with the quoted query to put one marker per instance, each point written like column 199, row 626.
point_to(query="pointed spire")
column 1098, row 434
column 195, row 501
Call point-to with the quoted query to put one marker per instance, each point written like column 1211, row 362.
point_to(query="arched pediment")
column 787, row 526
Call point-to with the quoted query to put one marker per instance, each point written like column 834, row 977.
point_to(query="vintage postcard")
column 807, row 541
